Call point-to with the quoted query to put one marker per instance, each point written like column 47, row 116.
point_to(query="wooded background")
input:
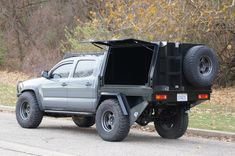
column 34, row 34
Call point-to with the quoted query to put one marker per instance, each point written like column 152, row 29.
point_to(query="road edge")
column 190, row 131
column 196, row 132
column 212, row 134
column 4, row 108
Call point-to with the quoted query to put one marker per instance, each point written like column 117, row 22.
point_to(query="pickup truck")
column 133, row 81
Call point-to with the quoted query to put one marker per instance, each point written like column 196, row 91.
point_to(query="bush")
column 78, row 38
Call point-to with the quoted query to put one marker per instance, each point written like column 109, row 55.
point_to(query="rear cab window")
column 84, row 68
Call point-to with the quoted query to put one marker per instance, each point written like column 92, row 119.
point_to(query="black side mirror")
column 45, row 74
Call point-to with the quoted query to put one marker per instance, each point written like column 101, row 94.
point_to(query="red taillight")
column 203, row 96
column 161, row 97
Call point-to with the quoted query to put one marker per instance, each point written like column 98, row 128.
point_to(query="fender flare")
column 37, row 95
column 121, row 99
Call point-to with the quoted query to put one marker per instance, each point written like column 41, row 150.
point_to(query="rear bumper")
column 192, row 96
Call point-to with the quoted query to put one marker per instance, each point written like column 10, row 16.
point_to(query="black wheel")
column 173, row 125
column 111, row 124
column 28, row 113
column 82, row 121
column 200, row 66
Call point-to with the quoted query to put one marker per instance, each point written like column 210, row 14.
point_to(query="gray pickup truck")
column 133, row 81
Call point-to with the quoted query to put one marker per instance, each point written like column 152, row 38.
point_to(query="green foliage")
column 2, row 49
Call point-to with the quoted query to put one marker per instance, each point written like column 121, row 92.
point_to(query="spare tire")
column 200, row 66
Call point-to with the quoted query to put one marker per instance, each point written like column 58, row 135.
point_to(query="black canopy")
column 123, row 42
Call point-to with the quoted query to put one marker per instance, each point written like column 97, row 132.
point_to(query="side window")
column 62, row 71
column 84, row 69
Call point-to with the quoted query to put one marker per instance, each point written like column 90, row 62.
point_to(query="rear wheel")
column 83, row 121
column 28, row 113
column 111, row 124
column 173, row 125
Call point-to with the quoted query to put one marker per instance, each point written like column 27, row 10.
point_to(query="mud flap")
column 136, row 111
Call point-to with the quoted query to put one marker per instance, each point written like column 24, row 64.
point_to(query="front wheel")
column 173, row 125
column 111, row 124
column 28, row 113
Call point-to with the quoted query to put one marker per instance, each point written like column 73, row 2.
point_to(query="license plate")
column 182, row 97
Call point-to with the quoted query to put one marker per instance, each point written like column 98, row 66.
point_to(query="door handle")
column 88, row 84
column 64, row 84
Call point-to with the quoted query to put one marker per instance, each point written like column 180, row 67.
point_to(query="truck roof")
column 74, row 54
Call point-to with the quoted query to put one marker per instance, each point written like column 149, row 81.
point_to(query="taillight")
column 161, row 97
column 203, row 96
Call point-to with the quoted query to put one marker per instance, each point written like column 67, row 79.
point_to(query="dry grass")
column 11, row 78
column 216, row 114
column 223, row 96
column 8, row 82
column 222, row 101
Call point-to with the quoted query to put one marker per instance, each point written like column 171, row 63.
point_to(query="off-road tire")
column 200, row 66
column 35, row 115
column 82, row 121
column 121, row 124
column 180, row 124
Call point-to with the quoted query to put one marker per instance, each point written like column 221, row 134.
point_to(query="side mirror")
column 45, row 74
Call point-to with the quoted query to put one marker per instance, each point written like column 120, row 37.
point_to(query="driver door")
column 55, row 89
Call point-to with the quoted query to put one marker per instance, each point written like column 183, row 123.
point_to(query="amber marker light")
column 203, row 96
column 161, row 97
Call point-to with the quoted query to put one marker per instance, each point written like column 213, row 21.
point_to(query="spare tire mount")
column 205, row 66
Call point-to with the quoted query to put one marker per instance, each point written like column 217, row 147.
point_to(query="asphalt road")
column 61, row 137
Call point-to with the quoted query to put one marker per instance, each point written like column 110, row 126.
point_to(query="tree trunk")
column 20, row 48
